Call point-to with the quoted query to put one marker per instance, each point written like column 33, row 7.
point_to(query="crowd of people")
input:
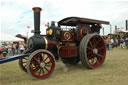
column 17, row 48
column 114, row 42
column 12, row 49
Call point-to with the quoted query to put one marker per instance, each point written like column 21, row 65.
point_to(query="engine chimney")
column 37, row 20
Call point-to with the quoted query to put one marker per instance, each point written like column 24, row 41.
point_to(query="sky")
column 16, row 15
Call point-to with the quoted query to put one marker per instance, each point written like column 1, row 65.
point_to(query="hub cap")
column 42, row 64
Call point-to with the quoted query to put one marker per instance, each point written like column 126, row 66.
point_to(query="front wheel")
column 41, row 64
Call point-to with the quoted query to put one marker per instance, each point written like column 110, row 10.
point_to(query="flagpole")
column 110, row 29
column 28, row 27
column 103, row 30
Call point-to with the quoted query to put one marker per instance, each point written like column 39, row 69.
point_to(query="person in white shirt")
column 21, row 47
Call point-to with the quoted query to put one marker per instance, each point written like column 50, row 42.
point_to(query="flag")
column 28, row 27
column 46, row 25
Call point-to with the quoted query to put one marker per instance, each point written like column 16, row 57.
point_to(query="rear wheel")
column 92, row 51
column 41, row 64
column 23, row 62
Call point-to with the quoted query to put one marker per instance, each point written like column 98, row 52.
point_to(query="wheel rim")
column 41, row 65
column 95, row 51
column 23, row 63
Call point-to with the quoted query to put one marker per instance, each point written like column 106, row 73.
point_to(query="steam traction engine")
column 78, row 42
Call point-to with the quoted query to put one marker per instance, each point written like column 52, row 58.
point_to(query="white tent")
column 8, row 38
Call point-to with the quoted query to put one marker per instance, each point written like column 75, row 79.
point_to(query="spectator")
column 126, row 42
column 9, row 49
column 112, row 43
column 17, row 48
column 13, row 49
column 108, row 43
column 116, row 41
column 1, row 55
column 4, row 51
column 121, row 43
column 21, row 47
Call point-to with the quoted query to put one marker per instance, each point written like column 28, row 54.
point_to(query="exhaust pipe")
column 37, row 20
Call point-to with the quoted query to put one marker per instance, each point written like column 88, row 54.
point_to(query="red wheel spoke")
column 46, row 69
column 41, row 58
column 36, row 60
column 98, row 62
column 90, row 57
column 99, row 55
column 39, row 72
column 95, row 40
column 100, row 48
column 48, row 65
column 91, row 44
column 90, row 48
column 45, row 59
column 36, row 69
column 89, row 52
column 32, row 67
column 43, row 71
column 48, row 62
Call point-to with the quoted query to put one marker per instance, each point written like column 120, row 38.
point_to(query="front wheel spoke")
column 46, row 69
column 39, row 72
column 48, row 62
column 36, row 60
column 33, row 68
column 41, row 58
column 48, row 65
column 45, row 59
column 36, row 69
column 43, row 71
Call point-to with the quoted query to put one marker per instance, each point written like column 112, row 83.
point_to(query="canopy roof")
column 73, row 21
column 8, row 38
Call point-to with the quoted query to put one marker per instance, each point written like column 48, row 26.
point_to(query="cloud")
column 18, row 14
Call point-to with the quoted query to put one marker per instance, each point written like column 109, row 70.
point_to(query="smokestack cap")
column 36, row 9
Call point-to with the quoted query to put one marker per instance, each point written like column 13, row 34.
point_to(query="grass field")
column 113, row 72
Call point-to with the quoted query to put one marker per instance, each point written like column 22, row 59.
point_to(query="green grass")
column 113, row 72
